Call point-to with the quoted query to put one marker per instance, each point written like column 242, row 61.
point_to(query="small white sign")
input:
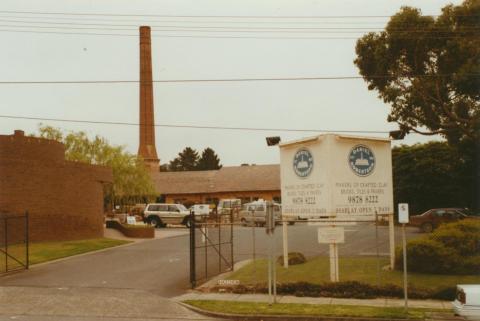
column 330, row 223
column 131, row 220
column 403, row 213
column 329, row 235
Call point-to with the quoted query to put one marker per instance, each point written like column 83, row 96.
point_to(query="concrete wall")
column 64, row 199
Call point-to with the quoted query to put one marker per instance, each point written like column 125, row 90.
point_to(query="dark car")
column 431, row 219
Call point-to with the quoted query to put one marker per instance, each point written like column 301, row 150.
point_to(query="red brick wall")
column 64, row 199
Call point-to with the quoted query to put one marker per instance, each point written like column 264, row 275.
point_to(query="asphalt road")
column 138, row 279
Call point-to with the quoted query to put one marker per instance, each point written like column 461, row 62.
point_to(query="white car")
column 161, row 214
column 467, row 302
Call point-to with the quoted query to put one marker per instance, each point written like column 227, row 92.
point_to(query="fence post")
column 192, row 251
column 6, row 244
column 27, row 240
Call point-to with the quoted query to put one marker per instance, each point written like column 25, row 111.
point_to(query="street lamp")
column 273, row 140
column 398, row 134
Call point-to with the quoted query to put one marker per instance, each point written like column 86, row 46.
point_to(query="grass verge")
column 40, row 252
column 364, row 269
column 254, row 308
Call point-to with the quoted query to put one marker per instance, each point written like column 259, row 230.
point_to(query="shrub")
column 293, row 258
column 453, row 248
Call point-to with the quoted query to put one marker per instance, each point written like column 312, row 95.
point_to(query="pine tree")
column 187, row 160
column 209, row 160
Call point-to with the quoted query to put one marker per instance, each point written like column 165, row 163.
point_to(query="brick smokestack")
column 147, row 148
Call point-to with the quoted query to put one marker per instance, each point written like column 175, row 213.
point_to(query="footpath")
column 431, row 304
column 264, row 298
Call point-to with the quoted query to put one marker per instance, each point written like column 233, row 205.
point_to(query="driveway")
column 130, row 282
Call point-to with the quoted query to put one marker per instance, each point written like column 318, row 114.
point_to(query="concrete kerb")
column 242, row 317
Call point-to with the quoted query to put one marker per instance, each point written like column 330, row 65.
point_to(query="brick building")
column 64, row 199
column 247, row 183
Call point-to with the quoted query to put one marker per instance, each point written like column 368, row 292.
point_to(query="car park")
column 431, row 219
column 161, row 214
column 467, row 301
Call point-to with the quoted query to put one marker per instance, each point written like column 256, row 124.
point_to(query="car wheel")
column 243, row 221
column 154, row 221
column 427, row 227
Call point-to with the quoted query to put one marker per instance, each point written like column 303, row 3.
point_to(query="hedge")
column 347, row 289
column 452, row 248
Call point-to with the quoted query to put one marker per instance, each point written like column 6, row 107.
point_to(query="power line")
column 242, row 30
column 196, row 126
column 202, row 16
column 473, row 27
column 143, row 21
column 280, row 37
column 219, row 80
column 235, row 28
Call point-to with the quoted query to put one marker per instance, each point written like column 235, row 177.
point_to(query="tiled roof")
column 226, row 179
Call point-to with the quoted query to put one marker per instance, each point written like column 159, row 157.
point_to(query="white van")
column 226, row 205
column 256, row 212
column 161, row 214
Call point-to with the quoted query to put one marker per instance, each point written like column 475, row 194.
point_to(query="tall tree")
column 131, row 179
column 187, row 160
column 428, row 70
column 209, row 160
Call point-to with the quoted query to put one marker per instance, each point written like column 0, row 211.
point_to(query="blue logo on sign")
column 303, row 163
column 361, row 160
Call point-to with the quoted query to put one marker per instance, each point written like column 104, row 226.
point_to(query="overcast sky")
column 317, row 104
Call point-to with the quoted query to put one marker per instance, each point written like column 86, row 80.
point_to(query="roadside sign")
column 403, row 213
column 131, row 220
column 336, row 175
column 329, row 235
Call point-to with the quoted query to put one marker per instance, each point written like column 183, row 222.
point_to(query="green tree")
column 187, row 160
column 432, row 175
column 209, row 160
column 131, row 180
column 428, row 69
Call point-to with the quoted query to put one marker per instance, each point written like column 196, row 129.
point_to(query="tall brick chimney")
column 147, row 149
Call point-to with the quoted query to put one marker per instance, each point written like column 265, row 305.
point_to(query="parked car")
column 467, row 302
column 256, row 213
column 161, row 214
column 431, row 219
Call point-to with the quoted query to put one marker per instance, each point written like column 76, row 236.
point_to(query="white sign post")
column 403, row 218
column 332, row 235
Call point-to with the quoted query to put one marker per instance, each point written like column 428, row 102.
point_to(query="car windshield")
column 182, row 208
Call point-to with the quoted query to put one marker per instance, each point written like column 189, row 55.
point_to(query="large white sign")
column 336, row 176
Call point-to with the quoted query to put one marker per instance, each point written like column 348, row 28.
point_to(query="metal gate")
column 211, row 247
column 13, row 242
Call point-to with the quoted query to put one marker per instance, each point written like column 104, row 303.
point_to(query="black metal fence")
column 14, row 254
column 211, row 247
